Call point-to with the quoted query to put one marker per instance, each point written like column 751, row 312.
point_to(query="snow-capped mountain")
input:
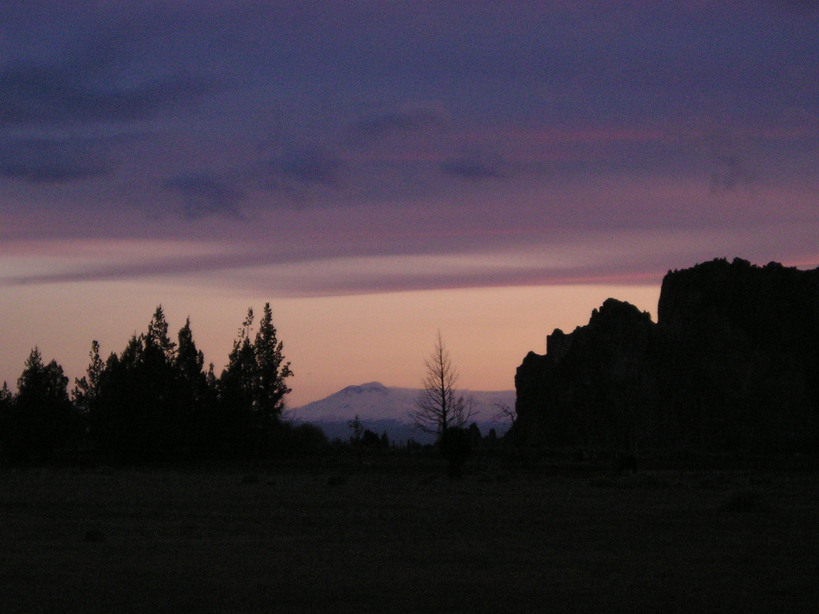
column 386, row 408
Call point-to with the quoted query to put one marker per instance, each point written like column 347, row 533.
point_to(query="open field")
column 368, row 539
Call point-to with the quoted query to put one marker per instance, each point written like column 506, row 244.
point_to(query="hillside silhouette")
column 730, row 366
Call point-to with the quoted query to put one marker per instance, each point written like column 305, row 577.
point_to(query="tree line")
column 156, row 401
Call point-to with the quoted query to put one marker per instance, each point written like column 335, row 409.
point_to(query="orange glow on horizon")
column 332, row 342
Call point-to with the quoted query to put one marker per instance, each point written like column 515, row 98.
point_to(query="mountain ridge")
column 389, row 408
column 375, row 401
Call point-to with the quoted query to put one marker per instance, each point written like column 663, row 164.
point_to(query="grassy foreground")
column 373, row 539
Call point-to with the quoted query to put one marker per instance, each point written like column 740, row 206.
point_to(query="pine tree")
column 252, row 386
column 272, row 370
column 238, row 382
column 193, row 398
column 43, row 418
column 6, row 420
column 236, row 386
column 117, row 418
column 157, row 335
column 189, row 360
column 5, row 394
column 87, row 388
column 140, row 411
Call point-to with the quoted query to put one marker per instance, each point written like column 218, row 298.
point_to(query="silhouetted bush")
column 306, row 439
column 455, row 446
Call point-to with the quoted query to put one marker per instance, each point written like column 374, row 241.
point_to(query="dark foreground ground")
column 375, row 539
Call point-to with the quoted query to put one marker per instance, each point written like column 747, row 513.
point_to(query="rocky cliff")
column 733, row 363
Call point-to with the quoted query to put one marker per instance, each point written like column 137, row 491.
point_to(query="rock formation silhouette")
column 731, row 365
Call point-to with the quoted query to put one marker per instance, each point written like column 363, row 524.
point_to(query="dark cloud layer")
column 584, row 115
column 54, row 161
column 471, row 169
column 205, row 195
column 799, row 6
column 310, row 164
column 401, row 121
column 34, row 95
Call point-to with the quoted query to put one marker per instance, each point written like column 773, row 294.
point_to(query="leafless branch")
column 439, row 406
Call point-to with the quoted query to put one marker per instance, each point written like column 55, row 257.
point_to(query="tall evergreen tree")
column 6, row 396
column 86, row 388
column 139, row 414
column 272, row 370
column 117, row 418
column 236, row 393
column 6, row 417
column 194, row 397
column 238, row 381
column 252, row 386
column 157, row 335
column 42, row 419
column 189, row 360
column 5, row 393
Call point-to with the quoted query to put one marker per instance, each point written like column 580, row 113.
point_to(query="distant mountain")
column 387, row 409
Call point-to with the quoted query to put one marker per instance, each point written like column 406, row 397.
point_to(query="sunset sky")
column 380, row 170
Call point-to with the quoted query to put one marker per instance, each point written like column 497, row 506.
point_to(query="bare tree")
column 505, row 413
column 439, row 406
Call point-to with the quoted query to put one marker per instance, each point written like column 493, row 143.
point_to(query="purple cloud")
column 402, row 121
column 43, row 161
column 471, row 169
column 61, row 95
column 312, row 164
column 204, row 195
column 541, row 116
